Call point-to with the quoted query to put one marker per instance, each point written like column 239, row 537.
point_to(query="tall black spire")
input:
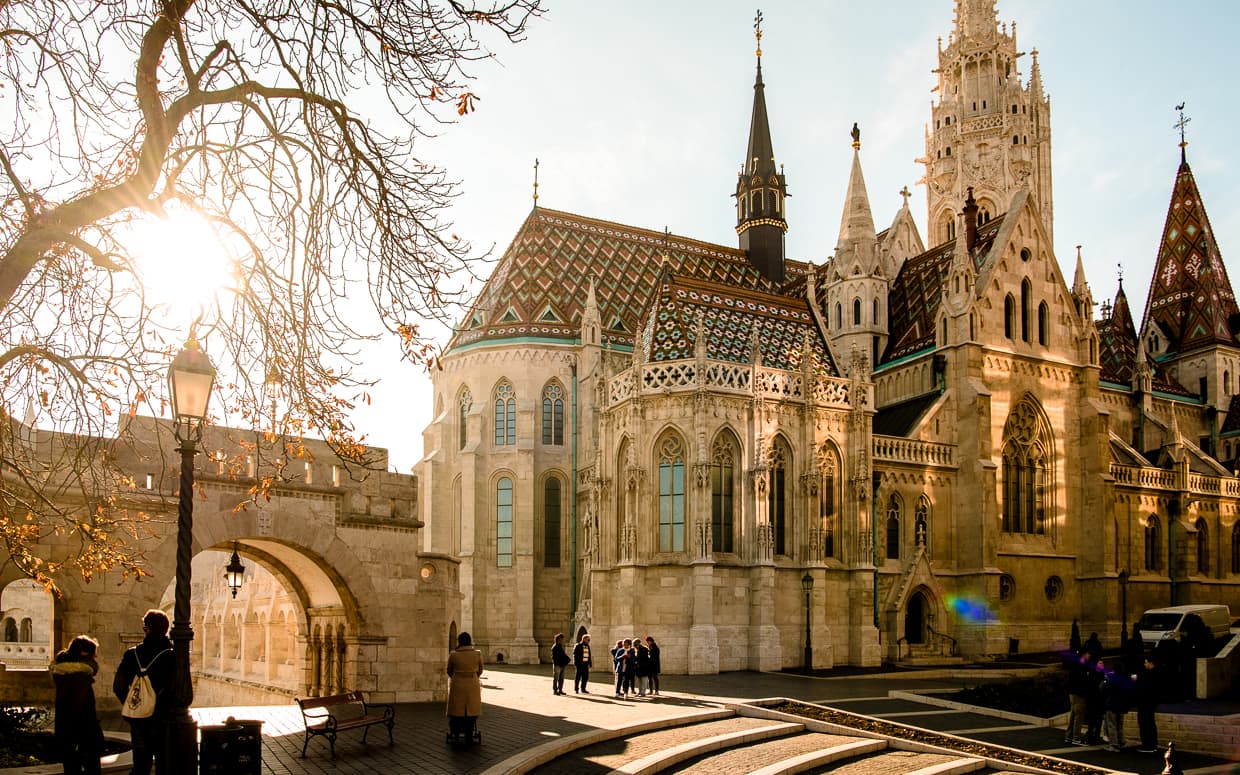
column 761, row 188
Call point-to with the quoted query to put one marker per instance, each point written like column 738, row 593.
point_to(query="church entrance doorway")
column 915, row 619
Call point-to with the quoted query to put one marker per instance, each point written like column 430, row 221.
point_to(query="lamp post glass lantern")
column 807, row 584
column 190, row 379
column 234, row 572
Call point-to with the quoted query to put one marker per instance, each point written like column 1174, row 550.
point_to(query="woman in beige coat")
column 464, row 690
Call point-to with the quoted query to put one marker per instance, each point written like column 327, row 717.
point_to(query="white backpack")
column 140, row 701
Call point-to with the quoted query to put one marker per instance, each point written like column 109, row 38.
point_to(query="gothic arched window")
column 551, row 522
column 1025, row 291
column 893, row 527
column 1044, row 325
column 10, row 630
column 949, row 227
column 1009, row 316
column 1028, row 458
column 839, row 316
column 777, row 495
column 462, row 416
column 26, row 631
column 671, row 494
column 1203, row 547
column 505, row 415
column 1153, row 543
column 722, row 491
column 856, row 312
column 503, row 523
column 553, row 415
column 828, row 461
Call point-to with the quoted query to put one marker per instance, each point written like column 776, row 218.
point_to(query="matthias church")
column 926, row 446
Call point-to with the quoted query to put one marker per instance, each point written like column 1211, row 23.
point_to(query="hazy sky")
column 639, row 113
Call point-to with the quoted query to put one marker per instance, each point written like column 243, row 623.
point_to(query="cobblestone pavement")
column 521, row 713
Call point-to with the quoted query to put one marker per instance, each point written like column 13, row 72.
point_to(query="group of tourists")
column 1102, row 691
column 143, row 684
column 635, row 663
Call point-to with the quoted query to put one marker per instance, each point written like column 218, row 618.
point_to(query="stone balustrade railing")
column 25, row 655
column 672, row 376
column 1162, row 479
column 894, row 449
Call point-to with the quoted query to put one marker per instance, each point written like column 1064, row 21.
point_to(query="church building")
column 920, row 448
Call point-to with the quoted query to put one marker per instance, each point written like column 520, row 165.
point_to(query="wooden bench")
column 335, row 713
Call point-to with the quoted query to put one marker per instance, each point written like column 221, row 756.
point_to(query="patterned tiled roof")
column 1117, row 349
column 730, row 317
column 1191, row 299
column 539, row 287
column 915, row 295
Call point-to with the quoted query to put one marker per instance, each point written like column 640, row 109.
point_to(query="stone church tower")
column 988, row 131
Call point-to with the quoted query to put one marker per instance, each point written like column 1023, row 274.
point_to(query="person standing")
column 559, row 661
column 77, row 733
column 1080, row 673
column 619, row 659
column 582, row 663
column 464, row 687
column 630, row 667
column 1116, row 697
column 153, row 656
column 643, row 667
column 656, row 666
column 1147, row 703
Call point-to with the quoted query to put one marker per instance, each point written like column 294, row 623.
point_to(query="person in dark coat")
column 1080, row 674
column 619, row 660
column 656, row 666
column 643, row 667
column 79, row 738
column 154, row 653
column 1147, row 703
column 559, row 661
column 582, row 662
column 1117, row 690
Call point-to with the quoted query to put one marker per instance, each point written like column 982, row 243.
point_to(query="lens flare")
column 971, row 610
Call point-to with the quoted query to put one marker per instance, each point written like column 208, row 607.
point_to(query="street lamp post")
column 234, row 572
column 190, row 379
column 1123, row 608
column 807, row 584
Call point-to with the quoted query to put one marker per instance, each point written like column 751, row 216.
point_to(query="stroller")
column 463, row 730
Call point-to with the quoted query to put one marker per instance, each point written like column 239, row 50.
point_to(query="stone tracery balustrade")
column 25, row 655
column 665, row 376
column 1160, row 478
column 894, row 449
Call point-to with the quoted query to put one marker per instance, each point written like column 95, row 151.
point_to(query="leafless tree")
column 292, row 127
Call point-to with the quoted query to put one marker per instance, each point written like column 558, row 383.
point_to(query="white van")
column 1159, row 624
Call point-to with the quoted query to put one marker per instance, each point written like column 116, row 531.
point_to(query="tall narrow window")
column 722, row 491
column 893, row 527
column 1009, row 316
column 551, row 523
column 1027, row 469
column 1153, row 544
column 505, row 415
column 671, row 495
column 1235, row 548
column 1044, row 325
column 1025, row 290
column 553, row 415
column 921, row 524
column 839, row 316
column 503, row 523
column 777, row 500
column 462, row 417
column 1203, row 547
column 826, row 501
column 856, row 312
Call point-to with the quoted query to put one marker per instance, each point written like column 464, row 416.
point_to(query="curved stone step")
column 788, row 754
column 609, row 750
column 897, row 762
column 660, row 761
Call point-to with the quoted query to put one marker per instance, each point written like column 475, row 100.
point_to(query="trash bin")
column 232, row 748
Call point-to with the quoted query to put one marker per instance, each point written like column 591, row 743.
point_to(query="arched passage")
column 26, row 631
column 916, row 617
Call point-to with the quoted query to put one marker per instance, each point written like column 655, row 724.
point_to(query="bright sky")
column 639, row 113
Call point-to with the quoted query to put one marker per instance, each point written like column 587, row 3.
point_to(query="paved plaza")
column 520, row 713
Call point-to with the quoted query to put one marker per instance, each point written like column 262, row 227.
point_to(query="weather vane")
column 536, row 182
column 1121, row 275
column 757, row 30
column 1180, row 125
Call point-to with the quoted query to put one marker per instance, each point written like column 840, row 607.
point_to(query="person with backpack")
column 147, row 669
column 78, row 735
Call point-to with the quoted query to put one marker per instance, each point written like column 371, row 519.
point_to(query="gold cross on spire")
column 1180, row 125
column 757, row 30
column 535, row 182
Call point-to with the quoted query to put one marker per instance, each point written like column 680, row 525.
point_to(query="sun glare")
column 180, row 260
